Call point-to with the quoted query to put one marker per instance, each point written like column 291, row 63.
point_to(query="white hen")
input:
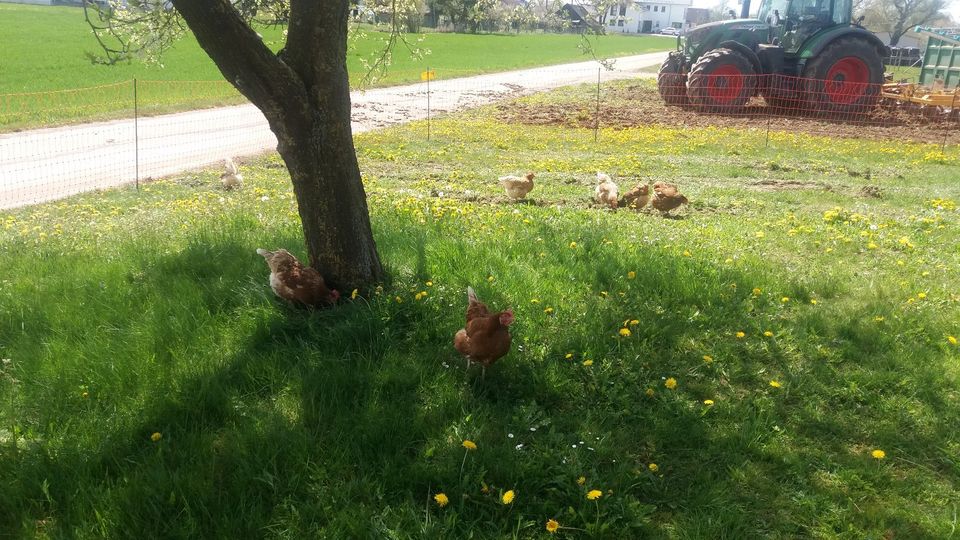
column 231, row 177
column 607, row 191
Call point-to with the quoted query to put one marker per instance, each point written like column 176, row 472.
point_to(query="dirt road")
column 47, row 164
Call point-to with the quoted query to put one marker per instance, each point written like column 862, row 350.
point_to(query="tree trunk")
column 332, row 203
column 304, row 92
column 896, row 33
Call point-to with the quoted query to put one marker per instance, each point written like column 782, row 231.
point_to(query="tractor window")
column 769, row 6
column 841, row 11
column 809, row 10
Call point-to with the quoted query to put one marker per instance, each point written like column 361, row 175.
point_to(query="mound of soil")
column 641, row 105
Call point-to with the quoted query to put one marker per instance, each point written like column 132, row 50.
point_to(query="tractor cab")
column 793, row 22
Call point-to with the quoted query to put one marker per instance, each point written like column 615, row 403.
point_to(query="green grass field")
column 45, row 50
column 733, row 373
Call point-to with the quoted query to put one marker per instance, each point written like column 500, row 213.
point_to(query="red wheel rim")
column 725, row 84
column 847, row 80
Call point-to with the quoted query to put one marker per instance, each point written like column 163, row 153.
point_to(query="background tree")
column 897, row 17
column 303, row 91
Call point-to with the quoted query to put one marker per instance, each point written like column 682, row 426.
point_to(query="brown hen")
column 486, row 337
column 666, row 197
column 296, row 283
column 637, row 197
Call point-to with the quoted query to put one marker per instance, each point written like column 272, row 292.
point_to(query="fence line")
column 51, row 163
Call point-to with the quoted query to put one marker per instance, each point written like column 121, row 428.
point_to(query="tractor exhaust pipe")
column 745, row 10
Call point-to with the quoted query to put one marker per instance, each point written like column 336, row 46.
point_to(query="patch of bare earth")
column 641, row 105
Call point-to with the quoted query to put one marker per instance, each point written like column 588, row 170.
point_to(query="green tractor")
column 797, row 54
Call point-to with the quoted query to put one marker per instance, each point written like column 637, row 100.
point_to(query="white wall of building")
column 637, row 14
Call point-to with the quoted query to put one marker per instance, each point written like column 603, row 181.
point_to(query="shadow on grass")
column 343, row 421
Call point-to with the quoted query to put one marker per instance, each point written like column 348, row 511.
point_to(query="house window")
column 613, row 10
column 623, row 10
column 646, row 7
column 620, row 22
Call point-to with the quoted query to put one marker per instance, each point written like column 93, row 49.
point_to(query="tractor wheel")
column 672, row 81
column 722, row 81
column 844, row 78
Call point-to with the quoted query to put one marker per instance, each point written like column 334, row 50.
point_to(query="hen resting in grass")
column 296, row 283
column 486, row 337
column 517, row 187
column 607, row 191
column 231, row 177
column 666, row 197
column 637, row 197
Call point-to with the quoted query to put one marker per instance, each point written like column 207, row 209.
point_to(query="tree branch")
column 240, row 53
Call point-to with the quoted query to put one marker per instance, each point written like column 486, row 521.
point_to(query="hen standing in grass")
column 486, row 337
column 666, row 197
column 607, row 191
column 296, row 283
column 231, row 177
column 517, row 187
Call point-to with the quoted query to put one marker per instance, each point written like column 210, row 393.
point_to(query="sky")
column 952, row 8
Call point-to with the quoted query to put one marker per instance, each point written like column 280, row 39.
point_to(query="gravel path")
column 48, row 164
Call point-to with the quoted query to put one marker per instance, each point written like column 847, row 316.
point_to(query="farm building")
column 647, row 17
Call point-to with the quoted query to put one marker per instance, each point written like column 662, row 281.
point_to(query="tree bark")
column 304, row 92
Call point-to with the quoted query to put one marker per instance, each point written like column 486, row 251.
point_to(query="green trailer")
column 941, row 61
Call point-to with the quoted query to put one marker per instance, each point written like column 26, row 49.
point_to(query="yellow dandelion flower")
column 634, row 322
column 760, row 234
column 775, row 384
column 588, row 363
column 670, row 383
column 353, row 295
column 922, row 295
column 552, row 525
column 594, row 494
column 741, row 335
column 631, row 274
column 708, row 402
column 490, row 278
column 399, row 300
column 813, row 301
column 441, row 499
column 707, row 358
column 156, row 436
column 756, row 291
column 507, row 497
column 469, row 445
column 952, row 340
column 785, row 299
column 429, row 284
column 534, row 300
column 768, row 333
column 603, row 294
column 582, row 480
column 548, row 310
column 568, row 356
column 653, row 467
column 625, row 332
column 650, row 392
column 686, row 253
column 878, row 454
